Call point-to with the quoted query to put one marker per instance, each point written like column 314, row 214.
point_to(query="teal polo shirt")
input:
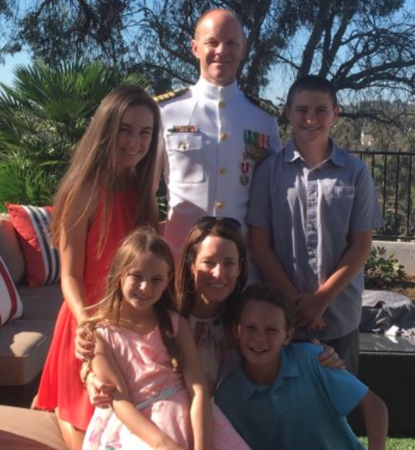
column 304, row 409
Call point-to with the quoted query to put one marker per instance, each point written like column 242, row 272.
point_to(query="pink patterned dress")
column 157, row 391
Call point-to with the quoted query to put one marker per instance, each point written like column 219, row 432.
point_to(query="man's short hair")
column 210, row 11
column 311, row 83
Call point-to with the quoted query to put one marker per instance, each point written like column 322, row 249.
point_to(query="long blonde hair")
column 142, row 240
column 94, row 163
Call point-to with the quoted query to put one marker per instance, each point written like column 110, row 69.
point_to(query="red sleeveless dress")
column 60, row 385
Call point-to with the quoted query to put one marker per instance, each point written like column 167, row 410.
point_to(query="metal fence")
column 394, row 177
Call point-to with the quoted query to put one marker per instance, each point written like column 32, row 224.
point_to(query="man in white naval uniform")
column 214, row 134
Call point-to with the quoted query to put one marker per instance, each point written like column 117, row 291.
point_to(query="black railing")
column 394, row 177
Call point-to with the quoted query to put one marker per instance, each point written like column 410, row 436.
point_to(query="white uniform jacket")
column 204, row 154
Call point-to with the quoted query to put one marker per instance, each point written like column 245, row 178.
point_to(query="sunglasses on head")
column 210, row 221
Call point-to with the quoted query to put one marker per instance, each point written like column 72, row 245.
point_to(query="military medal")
column 183, row 129
column 256, row 150
column 256, row 146
column 244, row 178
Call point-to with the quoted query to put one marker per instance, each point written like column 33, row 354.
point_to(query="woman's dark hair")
column 185, row 287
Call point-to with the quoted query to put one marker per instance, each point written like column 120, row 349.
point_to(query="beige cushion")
column 41, row 302
column 10, row 249
column 30, row 430
column 24, row 345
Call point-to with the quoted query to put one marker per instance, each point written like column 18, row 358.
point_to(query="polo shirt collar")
column 288, row 369
column 213, row 92
column 292, row 154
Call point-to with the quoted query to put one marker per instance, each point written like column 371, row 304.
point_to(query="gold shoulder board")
column 266, row 105
column 170, row 95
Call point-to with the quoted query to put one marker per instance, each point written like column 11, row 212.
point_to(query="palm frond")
column 25, row 183
column 43, row 114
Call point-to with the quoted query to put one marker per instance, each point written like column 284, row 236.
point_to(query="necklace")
column 205, row 309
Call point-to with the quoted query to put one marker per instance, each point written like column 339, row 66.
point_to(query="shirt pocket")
column 185, row 157
column 338, row 200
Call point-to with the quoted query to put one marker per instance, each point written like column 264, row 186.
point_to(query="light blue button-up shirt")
column 312, row 211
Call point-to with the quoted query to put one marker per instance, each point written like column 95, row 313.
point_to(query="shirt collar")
column 215, row 92
column 336, row 156
column 288, row 369
column 292, row 154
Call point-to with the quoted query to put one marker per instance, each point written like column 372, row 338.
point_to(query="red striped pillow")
column 31, row 224
column 10, row 304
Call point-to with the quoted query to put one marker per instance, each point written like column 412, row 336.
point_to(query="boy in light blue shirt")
column 312, row 210
column 281, row 398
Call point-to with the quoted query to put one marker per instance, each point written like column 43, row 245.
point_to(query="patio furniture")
column 387, row 366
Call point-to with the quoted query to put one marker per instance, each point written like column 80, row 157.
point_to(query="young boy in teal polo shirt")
column 281, row 398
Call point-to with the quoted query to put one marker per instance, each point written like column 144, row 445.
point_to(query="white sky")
column 6, row 70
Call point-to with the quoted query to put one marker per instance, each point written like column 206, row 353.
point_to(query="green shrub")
column 394, row 443
column 382, row 271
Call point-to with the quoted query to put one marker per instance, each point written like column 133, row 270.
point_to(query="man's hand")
column 309, row 310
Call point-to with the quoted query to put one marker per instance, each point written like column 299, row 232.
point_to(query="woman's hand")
column 84, row 344
column 99, row 393
column 329, row 358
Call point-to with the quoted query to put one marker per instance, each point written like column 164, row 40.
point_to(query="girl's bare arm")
column 72, row 246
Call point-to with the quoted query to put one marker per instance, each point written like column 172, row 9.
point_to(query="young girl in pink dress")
column 147, row 351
